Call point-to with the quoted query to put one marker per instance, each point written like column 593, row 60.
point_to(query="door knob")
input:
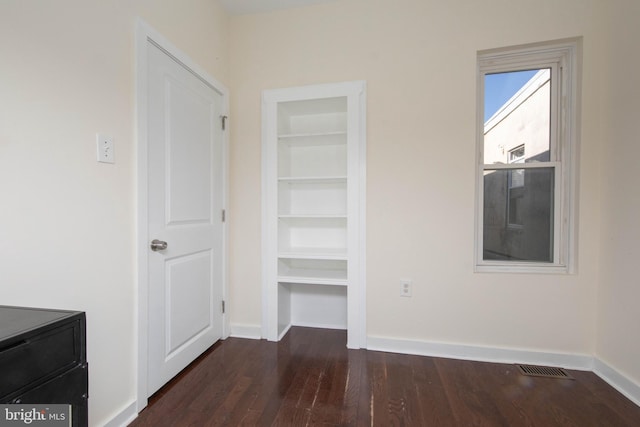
column 158, row 245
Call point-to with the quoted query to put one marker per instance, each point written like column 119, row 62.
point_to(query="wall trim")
column 580, row 362
column 252, row 332
column 617, row 380
column 125, row 416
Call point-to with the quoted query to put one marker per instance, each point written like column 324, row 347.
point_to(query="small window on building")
column 526, row 141
column 517, row 155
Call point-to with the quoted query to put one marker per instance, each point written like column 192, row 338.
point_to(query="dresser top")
column 17, row 320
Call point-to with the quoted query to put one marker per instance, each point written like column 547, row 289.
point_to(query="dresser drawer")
column 71, row 388
column 37, row 358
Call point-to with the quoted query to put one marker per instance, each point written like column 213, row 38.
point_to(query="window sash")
column 558, row 229
column 555, row 107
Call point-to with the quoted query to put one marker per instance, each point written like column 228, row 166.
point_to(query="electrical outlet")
column 105, row 150
column 405, row 287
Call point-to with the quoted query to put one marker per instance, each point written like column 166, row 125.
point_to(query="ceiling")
column 243, row 7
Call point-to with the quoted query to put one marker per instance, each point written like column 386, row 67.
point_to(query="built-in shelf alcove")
column 313, row 209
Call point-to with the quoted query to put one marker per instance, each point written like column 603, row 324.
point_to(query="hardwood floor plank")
column 403, row 402
column 470, row 400
column 604, row 394
column 311, row 378
column 346, row 386
column 378, row 389
column 432, row 401
column 365, row 399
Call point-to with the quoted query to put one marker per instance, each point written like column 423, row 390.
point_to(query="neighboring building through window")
column 526, row 158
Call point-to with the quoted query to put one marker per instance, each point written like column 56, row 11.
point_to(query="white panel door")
column 185, row 204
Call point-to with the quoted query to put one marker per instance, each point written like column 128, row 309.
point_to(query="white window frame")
column 562, row 57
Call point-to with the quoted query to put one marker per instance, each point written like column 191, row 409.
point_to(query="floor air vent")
column 544, row 371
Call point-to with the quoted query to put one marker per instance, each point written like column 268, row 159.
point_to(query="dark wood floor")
column 310, row 378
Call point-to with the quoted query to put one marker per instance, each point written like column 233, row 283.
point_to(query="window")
column 526, row 162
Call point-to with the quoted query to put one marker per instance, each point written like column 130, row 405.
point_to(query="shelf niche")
column 312, row 196
column 313, row 209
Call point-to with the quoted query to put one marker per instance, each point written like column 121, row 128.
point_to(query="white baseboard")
column 253, row 332
column 125, row 417
column 480, row 354
column 617, row 380
column 284, row 331
column 318, row 325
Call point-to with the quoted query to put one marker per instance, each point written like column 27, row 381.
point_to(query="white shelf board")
column 324, row 139
column 312, row 270
column 313, row 179
column 311, row 216
column 314, row 253
column 310, row 135
column 312, row 280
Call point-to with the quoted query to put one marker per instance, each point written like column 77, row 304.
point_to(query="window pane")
column 518, row 215
column 517, row 108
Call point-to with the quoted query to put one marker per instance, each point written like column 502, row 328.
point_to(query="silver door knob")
column 158, row 245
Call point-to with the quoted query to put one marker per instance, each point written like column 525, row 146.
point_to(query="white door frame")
column 144, row 34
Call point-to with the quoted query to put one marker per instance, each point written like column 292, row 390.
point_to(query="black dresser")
column 43, row 358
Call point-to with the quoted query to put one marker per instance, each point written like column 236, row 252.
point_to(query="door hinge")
column 224, row 215
column 224, row 121
column 222, row 306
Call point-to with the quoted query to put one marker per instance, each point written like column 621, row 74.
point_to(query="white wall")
column 618, row 342
column 419, row 60
column 67, row 237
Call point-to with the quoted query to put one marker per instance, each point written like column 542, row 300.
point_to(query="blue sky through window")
column 500, row 87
